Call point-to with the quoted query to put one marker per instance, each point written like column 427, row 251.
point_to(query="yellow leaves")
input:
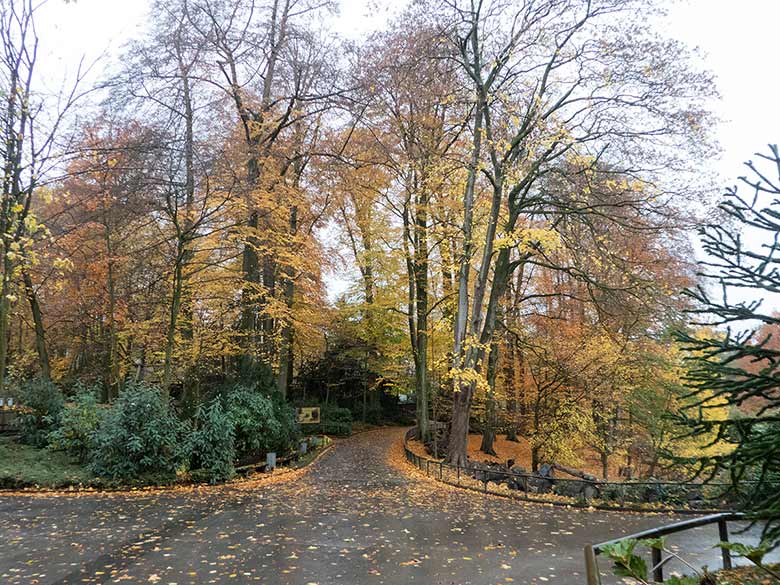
column 529, row 239
column 63, row 264
column 465, row 377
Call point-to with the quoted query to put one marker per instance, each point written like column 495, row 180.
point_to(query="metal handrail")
column 593, row 550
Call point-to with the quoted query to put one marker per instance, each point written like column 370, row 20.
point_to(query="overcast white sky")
column 737, row 41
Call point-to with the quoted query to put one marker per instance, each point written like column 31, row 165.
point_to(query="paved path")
column 356, row 517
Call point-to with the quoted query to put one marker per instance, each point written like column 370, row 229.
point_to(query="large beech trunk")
column 458, row 444
column 489, row 432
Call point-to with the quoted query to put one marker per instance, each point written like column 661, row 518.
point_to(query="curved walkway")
column 358, row 516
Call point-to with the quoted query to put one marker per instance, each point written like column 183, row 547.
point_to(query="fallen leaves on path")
column 359, row 515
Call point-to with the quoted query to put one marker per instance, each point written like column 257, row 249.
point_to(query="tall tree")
column 413, row 112
column 540, row 100
column 740, row 366
column 30, row 127
column 253, row 47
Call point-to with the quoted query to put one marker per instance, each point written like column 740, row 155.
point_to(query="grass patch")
column 25, row 466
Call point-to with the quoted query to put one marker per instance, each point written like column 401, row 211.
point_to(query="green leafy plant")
column 139, row 435
column 43, row 403
column 684, row 580
column 626, row 563
column 252, row 414
column 289, row 431
column 79, row 421
column 336, row 421
column 212, row 446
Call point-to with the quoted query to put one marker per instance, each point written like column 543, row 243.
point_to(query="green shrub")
column 336, row 421
column 289, row 430
column 374, row 415
column 336, row 414
column 338, row 429
column 45, row 402
column 139, row 435
column 212, row 445
column 252, row 415
column 79, row 421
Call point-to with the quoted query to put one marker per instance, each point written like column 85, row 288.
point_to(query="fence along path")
column 650, row 496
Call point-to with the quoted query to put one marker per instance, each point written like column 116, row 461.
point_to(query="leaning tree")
column 571, row 89
column 737, row 362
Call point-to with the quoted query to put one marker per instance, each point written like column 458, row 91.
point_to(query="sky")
column 739, row 45
column 736, row 42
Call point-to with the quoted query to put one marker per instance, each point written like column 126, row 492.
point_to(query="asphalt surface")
column 358, row 516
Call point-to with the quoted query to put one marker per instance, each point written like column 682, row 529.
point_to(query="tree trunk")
column 421, row 307
column 445, row 250
column 40, row 332
column 112, row 371
column 286, row 356
column 180, row 300
column 510, row 376
column 5, row 312
column 605, row 465
column 653, row 465
column 489, row 432
column 256, row 269
column 457, row 446
column 170, row 337
column 474, row 356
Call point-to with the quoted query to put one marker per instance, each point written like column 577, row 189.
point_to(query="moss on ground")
column 26, row 466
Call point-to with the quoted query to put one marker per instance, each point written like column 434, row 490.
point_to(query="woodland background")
column 510, row 187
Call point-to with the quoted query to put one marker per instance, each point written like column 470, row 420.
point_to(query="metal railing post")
column 591, row 566
column 658, row 569
column 723, row 533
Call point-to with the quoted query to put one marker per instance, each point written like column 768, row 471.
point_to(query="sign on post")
column 309, row 415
